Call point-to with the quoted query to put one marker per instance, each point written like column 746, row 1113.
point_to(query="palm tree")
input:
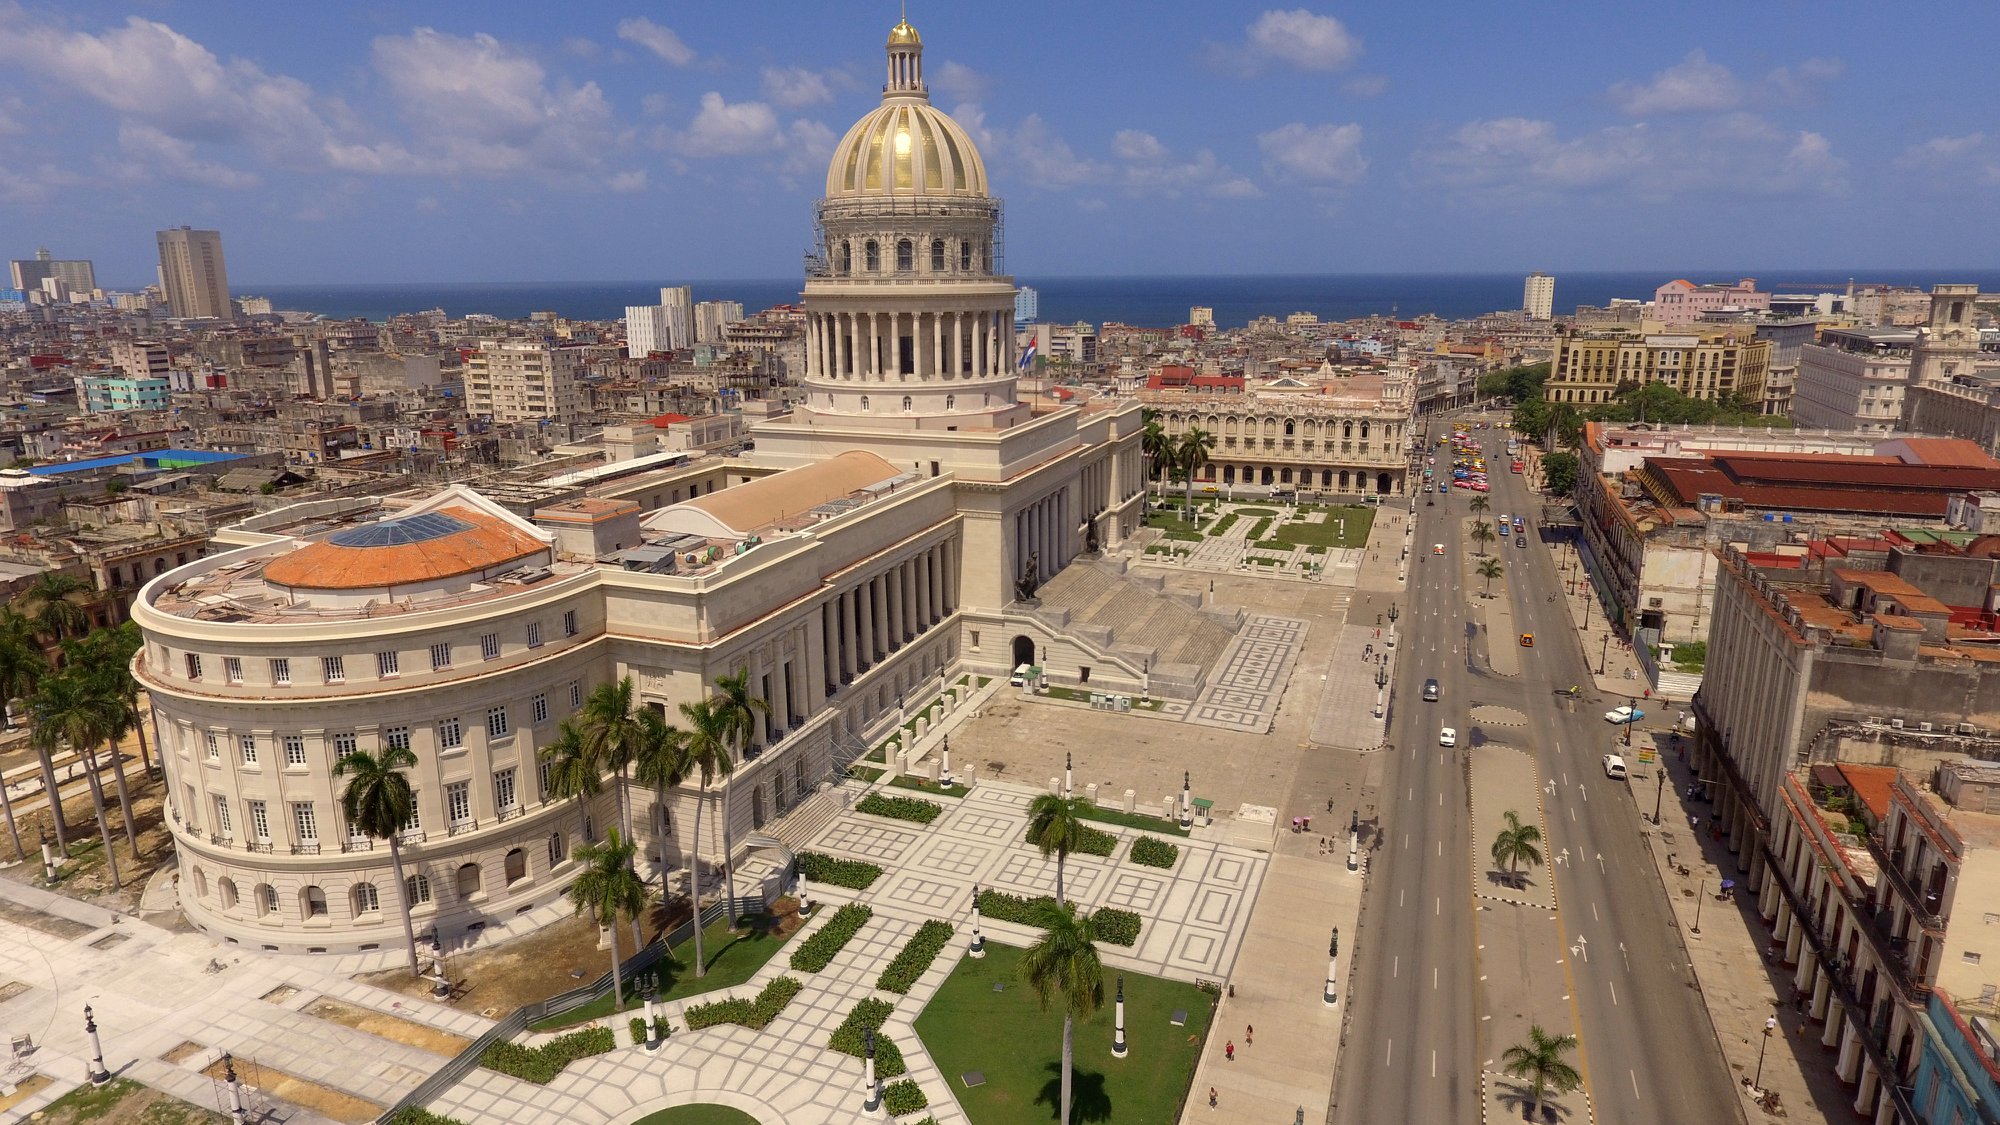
column 1541, row 1062
column 71, row 709
column 1055, row 828
column 610, row 891
column 1480, row 503
column 660, row 765
column 22, row 666
column 1482, row 534
column 55, row 614
column 707, row 754
column 1064, row 966
column 103, row 657
column 377, row 803
column 1195, row 446
column 1156, row 445
column 1490, row 569
column 1515, row 845
column 740, row 710
column 615, row 736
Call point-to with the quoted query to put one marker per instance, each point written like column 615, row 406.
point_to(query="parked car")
column 1623, row 715
column 1614, row 767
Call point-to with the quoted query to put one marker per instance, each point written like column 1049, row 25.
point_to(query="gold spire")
column 903, row 32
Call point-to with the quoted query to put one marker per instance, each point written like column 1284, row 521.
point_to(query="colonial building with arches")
column 1340, row 437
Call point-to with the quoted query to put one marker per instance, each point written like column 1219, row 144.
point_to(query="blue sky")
column 432, row 141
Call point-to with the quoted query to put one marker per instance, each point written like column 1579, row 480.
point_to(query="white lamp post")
column 1332, row 994
column 1118, row 1047
column 98, row 1074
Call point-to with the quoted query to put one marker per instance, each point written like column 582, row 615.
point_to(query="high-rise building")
column 192, row 273
column 1590, row 367
column 1027, row 306
column 524, row 381
column 646, row 331
column 1202, row 316
column 711, row 317
column 141, row 359
column 76, row 273
column 1538, row 295
column 678, row 300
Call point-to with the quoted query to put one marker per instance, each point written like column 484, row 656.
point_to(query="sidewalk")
column 1603, row 646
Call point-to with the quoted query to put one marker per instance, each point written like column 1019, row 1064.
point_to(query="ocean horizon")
column 1151, row 301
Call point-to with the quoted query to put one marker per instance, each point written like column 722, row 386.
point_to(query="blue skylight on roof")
column 397, row 532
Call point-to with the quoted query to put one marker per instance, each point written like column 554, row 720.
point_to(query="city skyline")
column 506, row 143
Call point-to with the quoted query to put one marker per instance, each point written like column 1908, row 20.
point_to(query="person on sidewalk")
column 1248, row 1033
column 1229, row 1050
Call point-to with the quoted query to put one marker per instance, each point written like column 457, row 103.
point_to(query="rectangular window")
column 569, row 623
column 534, row 634
column 334, row 668
column 503, row 790
column 232, row 669
column 440, row 656
column 260, row 822
column 416, row 821
column 222, row 815
column 489, row 646
column 396, row 738
column 247, row 743
column 542, row 776
column 345, row 743
column 538, row 706
column 305, row 822
column 458, row 802
column 270, row 903
column 281, row 671
column 385, row 663
column 496, row 722
column 451, row 735
column 295, row 750
column 193, row 665
column 575, row 694
column 214, row 746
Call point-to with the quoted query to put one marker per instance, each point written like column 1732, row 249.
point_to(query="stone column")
column 1848, row 1064
column 1867, row 1089
column 913, row 615
column 843, row 347
column 893, row 580
column 955, row 353
column 864, row 631
column 878, row 600
column 755, row 666
column 829, row 654
column 937, row 344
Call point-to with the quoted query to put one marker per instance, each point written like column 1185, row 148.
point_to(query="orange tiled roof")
column 486, row 542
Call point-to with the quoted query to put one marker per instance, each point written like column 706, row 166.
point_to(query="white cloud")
column 150, row 153
column 662, row 41
column 1151, row 168
column 956, row 80
column 795, row 86
column 484, row 109
column 1968, row 158
column 1366, row 85
column 1302, row 39
column 1133, row 144
column 1740, row 153
column 724, row 128
column 653, row 105
column 581, row 48
column 631, row 181
column 1328, row 154
column 1693, row 85
column 1804, row 84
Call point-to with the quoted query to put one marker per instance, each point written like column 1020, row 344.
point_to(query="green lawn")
column 732, row 959
column 1103, row 815
column 701, row 1114
column 1327, row 534
column 122, row 1099
column 1006, row 1035
column 1174, row 526
column 922, row 784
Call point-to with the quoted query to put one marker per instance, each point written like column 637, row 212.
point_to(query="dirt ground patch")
column 290, row 1088
column 187, row 1050
column 125, row 1102
column 12, row 988
column 85, row 875
column 46, row 923
column 407, row 1032
column 23, row 1092
column 546, row 963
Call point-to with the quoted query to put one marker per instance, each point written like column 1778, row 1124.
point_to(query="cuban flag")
column 1027, row 355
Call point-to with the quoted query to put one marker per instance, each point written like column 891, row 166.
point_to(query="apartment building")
column 524, row 381
column 1590, row 367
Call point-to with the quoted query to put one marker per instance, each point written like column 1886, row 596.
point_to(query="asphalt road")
column 1414, row 1052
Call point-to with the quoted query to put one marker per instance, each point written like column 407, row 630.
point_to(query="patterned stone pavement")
column 1248, row 683
column 1346, row 715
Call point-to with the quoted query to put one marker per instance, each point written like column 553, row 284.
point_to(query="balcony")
column 361, row 844
column 310, row 847
column 1891, row 864
column 263, row 847
column 462, row 827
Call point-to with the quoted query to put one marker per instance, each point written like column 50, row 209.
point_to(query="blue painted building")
column 1958, row 1077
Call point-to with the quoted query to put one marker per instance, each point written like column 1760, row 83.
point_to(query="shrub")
column 540, row 1065
column 814, row 953
column 899, row 1098
column 849, row 1039
column 754, row 1014
column 833, row 871
column 1117, row 927
column 917, row 955
column 1091, row 841
column 638, row 1025
column 1150, row 851
column 900, row 808
column 415, row 1115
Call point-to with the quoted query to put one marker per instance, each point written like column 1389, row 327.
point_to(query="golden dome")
column 906, row 148
column 904, row 33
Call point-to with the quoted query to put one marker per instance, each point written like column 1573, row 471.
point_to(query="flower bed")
column 899, row 1098
column 899, row 808
column 917, row 955
column 754, row 1014
column 1117, row 927
column 816, row 951
column 1092, row 841
column 849, row 1037
column 834, row 871
column 540, row 1065
column 1149, row 851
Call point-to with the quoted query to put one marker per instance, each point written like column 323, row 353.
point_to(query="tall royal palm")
column 1056, row 829
column 1195, row 446
column 610, row 892
column 1541, row 1060
column 660, row 766
column 22, row 666
column 742, row 711
column 51, row 598
column 1157, row 447
column 615, row 734
column 707, row 754
column 71, row 709
column 377, row 803
column 1064, row 968
column 102, row 658
column 1490, row 569
column 575, row 772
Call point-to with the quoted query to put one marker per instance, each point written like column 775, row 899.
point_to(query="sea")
column 1157, row 301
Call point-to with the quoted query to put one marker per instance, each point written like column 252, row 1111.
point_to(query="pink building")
column 1682, row 301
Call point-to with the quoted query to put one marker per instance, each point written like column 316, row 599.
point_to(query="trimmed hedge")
column 1090, row 841
column 900, row 808
column 754, row 1014
column 1150, row 851
column 899, row 1098
column 1115, row 927
column 414, row 1115
column 848, row 1038
column 917, row 955
column 813, row 954
column 834, row 871
column 540, row 1065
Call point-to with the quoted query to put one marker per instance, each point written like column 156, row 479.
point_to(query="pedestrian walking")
column 1229, row 1050
column 1248, row 1032
column 1211, row 1097
column 1694, row 822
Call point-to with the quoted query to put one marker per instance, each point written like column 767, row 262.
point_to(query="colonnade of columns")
column 1043, row 531
column 866, row 622
column 971, row 344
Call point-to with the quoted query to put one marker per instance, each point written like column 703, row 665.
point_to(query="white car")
column 1623, row 715
column 1614, row 767
column 1448, row 737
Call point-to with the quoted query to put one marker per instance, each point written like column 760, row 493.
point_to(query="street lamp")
column 1659, row 791
column 98, row 1074
column 237, row 1113
column 1381, row 676
column 978, row 947
column 1603, row 653
column 1118, row 1047
column 1700, row 889
column 1770, row 1025
column 871, row 1096
column 1332, row 993
column 1631, row 706
column 1392, row 613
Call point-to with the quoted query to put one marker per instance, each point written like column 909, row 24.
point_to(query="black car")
column 1430, row 691
column 1520, row 541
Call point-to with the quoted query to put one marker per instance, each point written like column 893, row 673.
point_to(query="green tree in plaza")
column 1559, row 471
column 1517, row 844
column 661, row 765
column 104, row 656
column 576, row 771
column 22, row 666
column 1490, row 569
column 742, row 711
column 610, row 891
column 1192, row 453
column 615, row 735
column 1055, row 828
column 706, row 752
column 1482, row 534
column 1480, row 504
column 1064, row 968
column 52, row 598
column 377, row 802
column 1156, row 445
column 1543, row 1061
column 72, row 709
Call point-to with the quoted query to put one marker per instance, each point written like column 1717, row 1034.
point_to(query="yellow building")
column 1591, row 367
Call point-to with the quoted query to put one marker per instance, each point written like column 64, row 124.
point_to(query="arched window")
column 937, row 255
column 365, row 899
column 864, row 402
column 906, row 255
column 906, row 402
column 1290, row 427
column 1364, row 431
column 266, row 897
column 417, row 890
column 965, row 255
column 950, row 401
column 225, row 891
column 200, row 884
column 1346, row 430
column 468, row 880
column 558, row 851
column 843, row 259
column 517, row 865
column 312, row 902
column 872, row 256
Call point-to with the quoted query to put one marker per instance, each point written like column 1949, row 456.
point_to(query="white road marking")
column 1572, row 812
column 1593, row 913
column 1396, row 966
column 1406, row 841
column 1439, row 908
column 1440, row 849
column 1434, row 1062
column 1635, row 1084
column 1390, row 1056
column 1584, row 789
column 1434, row 977
column 1614, row 991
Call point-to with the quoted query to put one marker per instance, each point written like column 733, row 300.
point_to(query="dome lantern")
column 906, row 63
